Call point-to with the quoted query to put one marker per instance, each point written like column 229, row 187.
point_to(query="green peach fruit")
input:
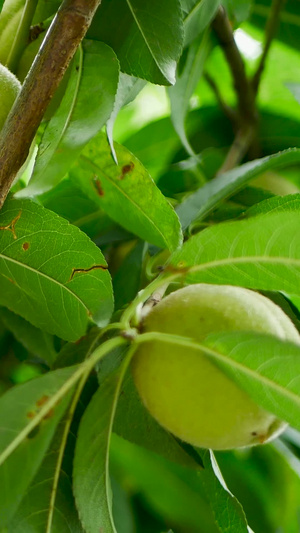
column 183, row 389
column 9, row 90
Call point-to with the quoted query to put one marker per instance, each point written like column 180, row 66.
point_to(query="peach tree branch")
column 63, row 37
column 270, row 32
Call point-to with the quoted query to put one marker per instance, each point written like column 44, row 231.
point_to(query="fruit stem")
column 21, row 39
column 160, row 283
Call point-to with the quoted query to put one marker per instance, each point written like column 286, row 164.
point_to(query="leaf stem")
column 144, row 294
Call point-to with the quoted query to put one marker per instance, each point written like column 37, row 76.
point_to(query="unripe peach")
column 183, row 389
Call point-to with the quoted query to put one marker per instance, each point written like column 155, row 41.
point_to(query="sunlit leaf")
column 262, row 252
column 187, row 80
column 146, row 35
column 127, row 193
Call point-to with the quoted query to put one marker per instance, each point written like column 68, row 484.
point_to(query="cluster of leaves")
column 92, row 228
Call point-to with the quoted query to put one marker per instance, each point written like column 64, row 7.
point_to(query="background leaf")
column 201, row 202
column 39, row 255
column 35, row 340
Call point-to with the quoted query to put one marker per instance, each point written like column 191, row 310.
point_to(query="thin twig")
column 228, row 111
column 246, row 120
column 270, row 32
column 238, row 149
column 243, row 89
column 62, row 39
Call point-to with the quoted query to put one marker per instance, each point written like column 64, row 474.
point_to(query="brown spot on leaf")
column 42, row 401
column 84, row 270
column 11, row 226
column 35, row 31
column 49, row 414
column 262, row 438
column 30, row 414
column 80, row 340
column 98, row 186
column 25, row 246
column 126, row 169
column 180, row 267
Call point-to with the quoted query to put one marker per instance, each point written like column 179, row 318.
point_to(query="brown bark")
column 65, row 34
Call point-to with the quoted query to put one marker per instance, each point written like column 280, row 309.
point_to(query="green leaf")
column 35, row 340
column 238, row 9
column 86, row 106
column 267, row 368
column 262, row 252
column 127, row 280
column 295, row 90
column 146, row 35
column 18, row 408
column 199, row 14
column 175, row 493
column 69, row 202
column 127, row 193
column 122, row 509
column 51, row 273
column 227, row 510
column 91, row 482
column 201, row 202
column 266, row 480
column 128, row 88
column 288, row 29
column 37, row 512
column 185, row 85
column 275, row 204
column 44, row 9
